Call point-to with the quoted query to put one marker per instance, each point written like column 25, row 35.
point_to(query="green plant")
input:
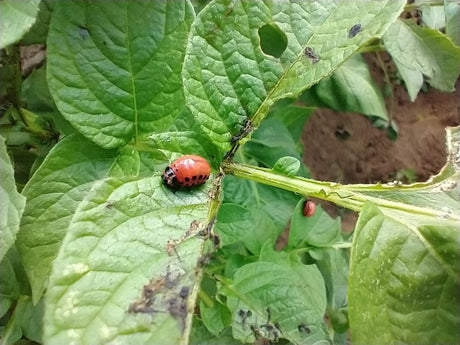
column 95, row 250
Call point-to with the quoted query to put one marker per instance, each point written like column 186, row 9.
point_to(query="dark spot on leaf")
column 177, row 308
column 257, row 333
column 273, row 40
column 184, row 292
column 303, row 329
column 83, row 32
column 204, row 260
column 355, row 29
column 216, row 240
column 311, row 55
column 150, row 291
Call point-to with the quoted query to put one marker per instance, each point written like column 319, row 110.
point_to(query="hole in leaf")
column 273, row 41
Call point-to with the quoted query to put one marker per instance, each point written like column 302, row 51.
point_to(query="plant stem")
column 349, row 196
column 205, row 298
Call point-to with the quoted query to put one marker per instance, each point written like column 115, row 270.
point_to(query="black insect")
column 257, row 333
column 303, row 329
column 244, row 315
column 83, row 32
column 184, row 292
column 247, row 128
column 273, row 330
column 311, row 55
column 355, row 29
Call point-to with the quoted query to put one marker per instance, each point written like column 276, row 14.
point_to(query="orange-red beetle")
column 186, row 171
column 309, row 208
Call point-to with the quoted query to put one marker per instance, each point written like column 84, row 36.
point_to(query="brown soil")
column 368, row 155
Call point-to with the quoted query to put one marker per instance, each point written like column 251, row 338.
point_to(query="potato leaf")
column 11, row 202
column 227, row 75
column 16, row 17
column 423, row 52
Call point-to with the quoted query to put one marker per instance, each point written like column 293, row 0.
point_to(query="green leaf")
column 249, row 225
column 432, row 16
column 253, row 213
column 350, row 88
column 68, row 173
column 292, row 116
column 184, row 136
column 11, row 202
column 39, row 31
column 228, row 78
column 201, row 336
column 215, row 318
column 126, row 271
column 114, row 67
column 425, row 52
column 272, row 141
column 333, row 265
column 37, row 95
column 284, row 295
column 404, row 279
column 29, row 318
column 16, row 17
column 287, row 165
column 453, row 21
column 319, row 230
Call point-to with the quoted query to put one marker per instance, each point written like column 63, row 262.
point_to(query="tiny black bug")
column 256, row 331
column 244, row 315
column 83, row 32
column 303, row 329
column 355, row 29
column 311, row 55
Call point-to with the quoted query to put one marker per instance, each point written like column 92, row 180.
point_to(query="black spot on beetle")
column 355, row 29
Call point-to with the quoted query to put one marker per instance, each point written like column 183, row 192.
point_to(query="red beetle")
column 186, row 171
column 309, row 208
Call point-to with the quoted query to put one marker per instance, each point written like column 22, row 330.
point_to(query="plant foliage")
column 96, row 250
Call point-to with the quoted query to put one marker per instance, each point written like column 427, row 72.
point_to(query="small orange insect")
column 186, row 171
column 309, row 208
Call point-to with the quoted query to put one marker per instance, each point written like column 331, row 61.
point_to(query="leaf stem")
column 205, row 298
column 349, row 196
